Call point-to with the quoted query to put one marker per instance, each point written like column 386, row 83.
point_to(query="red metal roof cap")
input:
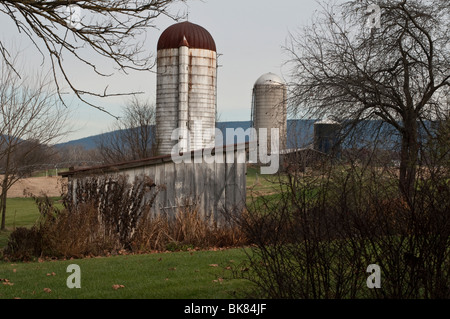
column 196, row 36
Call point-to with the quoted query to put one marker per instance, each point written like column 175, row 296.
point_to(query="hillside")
column 299, row 133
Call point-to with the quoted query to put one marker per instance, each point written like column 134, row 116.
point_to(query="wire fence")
column 49, row 169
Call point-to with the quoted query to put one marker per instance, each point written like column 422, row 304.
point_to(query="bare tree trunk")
column 3, row 201
column 3, row 197
column 409, row 157
column 4, row 193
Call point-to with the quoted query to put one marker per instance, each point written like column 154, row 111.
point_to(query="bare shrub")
column 23, row 244
column 119, row 204
column 317, row 238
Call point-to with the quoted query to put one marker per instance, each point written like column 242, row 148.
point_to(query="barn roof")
column 116, row 167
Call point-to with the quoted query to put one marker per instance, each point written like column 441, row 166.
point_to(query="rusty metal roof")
column 117, row 167
column 188, row 33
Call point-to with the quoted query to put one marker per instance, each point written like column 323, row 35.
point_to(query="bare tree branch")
column 110, row 29
column 395, row 73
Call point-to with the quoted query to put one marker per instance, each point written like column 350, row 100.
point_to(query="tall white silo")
column 269, row 107
column 186, row 88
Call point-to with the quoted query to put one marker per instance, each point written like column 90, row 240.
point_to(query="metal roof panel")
column 186, row 33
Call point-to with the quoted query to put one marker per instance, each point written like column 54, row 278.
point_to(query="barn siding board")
column 241, row 178
column 178, row 185
column 160, row 199
column 170, row 193
column 220, row 190
column 229, row 185
column 188, row 184
column 199, row 186
column 210, row 189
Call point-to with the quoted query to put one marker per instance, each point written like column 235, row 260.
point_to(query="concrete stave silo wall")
column 186, row 94
column 270, row 111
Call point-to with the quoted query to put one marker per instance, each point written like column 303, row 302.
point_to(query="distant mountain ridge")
column 304, row 127
column 299, row 133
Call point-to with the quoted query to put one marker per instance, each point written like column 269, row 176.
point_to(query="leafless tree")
column 30, row 118
column 110, row 29
column 131, row 137
column 390, row 62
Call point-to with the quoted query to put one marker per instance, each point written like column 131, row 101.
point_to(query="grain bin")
column 326, row 136
column 186, row 88
column 269, row 107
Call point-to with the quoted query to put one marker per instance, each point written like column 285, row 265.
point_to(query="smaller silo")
column 326, row 136
column 269, row 107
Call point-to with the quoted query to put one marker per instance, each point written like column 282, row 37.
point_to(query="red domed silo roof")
column 196, row 36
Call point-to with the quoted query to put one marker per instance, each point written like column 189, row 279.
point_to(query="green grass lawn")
column 180, row 275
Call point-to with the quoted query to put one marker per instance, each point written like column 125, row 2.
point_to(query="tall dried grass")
column 187, row 229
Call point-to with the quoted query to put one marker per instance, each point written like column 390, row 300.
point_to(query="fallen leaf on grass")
column 173, row 268
column 219, row 280
column 115, row 287
column 214, row 265
column 47, row 290
column 6, row 282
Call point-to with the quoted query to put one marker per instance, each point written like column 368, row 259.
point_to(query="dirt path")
column 50, row 186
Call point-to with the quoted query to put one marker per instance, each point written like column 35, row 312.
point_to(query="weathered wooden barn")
column 212, row 186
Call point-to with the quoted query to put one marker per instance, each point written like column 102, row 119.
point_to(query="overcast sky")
column 249, row 36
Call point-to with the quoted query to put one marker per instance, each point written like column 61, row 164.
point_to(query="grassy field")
column 49, row 172
column 180, row 275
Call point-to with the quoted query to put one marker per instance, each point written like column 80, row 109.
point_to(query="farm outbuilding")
column 212, row 186
column 299, row 159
